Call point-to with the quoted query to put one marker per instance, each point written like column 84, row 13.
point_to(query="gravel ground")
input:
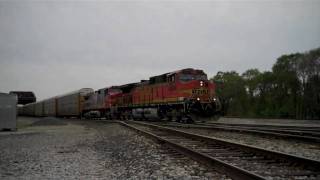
column 305, row 149
column 89, row 150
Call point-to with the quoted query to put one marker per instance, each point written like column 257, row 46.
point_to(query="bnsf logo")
column 200, row 91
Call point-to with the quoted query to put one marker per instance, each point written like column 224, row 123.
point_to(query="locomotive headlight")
column 198, row 99
column 214, row 99
column 201, row 83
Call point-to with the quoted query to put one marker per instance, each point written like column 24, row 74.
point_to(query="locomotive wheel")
column 188, row 120
column 195, row 118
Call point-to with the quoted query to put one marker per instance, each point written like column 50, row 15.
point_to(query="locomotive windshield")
column 190, row 77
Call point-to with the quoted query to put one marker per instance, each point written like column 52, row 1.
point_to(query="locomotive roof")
column 190, row 70
column 163, row 77
column 186, row 70
column 122, row 87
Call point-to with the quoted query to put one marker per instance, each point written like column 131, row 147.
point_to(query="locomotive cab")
column 194, row 84
column 197, row 92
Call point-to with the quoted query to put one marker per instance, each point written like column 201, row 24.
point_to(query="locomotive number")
column 200, row 91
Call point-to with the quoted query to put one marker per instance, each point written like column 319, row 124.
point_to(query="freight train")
column 180, row 95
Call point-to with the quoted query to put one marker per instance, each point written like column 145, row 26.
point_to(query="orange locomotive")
column 179, row 95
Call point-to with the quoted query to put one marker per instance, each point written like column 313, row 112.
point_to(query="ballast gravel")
column 91, row 150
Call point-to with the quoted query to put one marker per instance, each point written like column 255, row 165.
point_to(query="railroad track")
column 298, row 132
column 309, row 127
column 236, row 160
column 304, row 134
column 268, row 127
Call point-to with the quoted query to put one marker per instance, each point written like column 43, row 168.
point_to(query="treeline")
column 290, row 90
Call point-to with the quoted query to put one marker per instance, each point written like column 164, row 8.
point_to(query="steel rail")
column 302, row 129
column 283, row 126
column 308, row 164
column 297, row 130
column 278, row 133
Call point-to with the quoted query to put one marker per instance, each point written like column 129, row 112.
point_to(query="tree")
column 290, row 90
column 231, row 92
column 287, row 86
column 309, row 71
column 251, row 82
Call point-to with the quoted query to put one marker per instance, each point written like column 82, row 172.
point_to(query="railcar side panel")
column 72, row 103
column 38, row 109
column 68, row 105
column 49, row 107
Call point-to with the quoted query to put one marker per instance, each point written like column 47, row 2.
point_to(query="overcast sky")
column 59, row 46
